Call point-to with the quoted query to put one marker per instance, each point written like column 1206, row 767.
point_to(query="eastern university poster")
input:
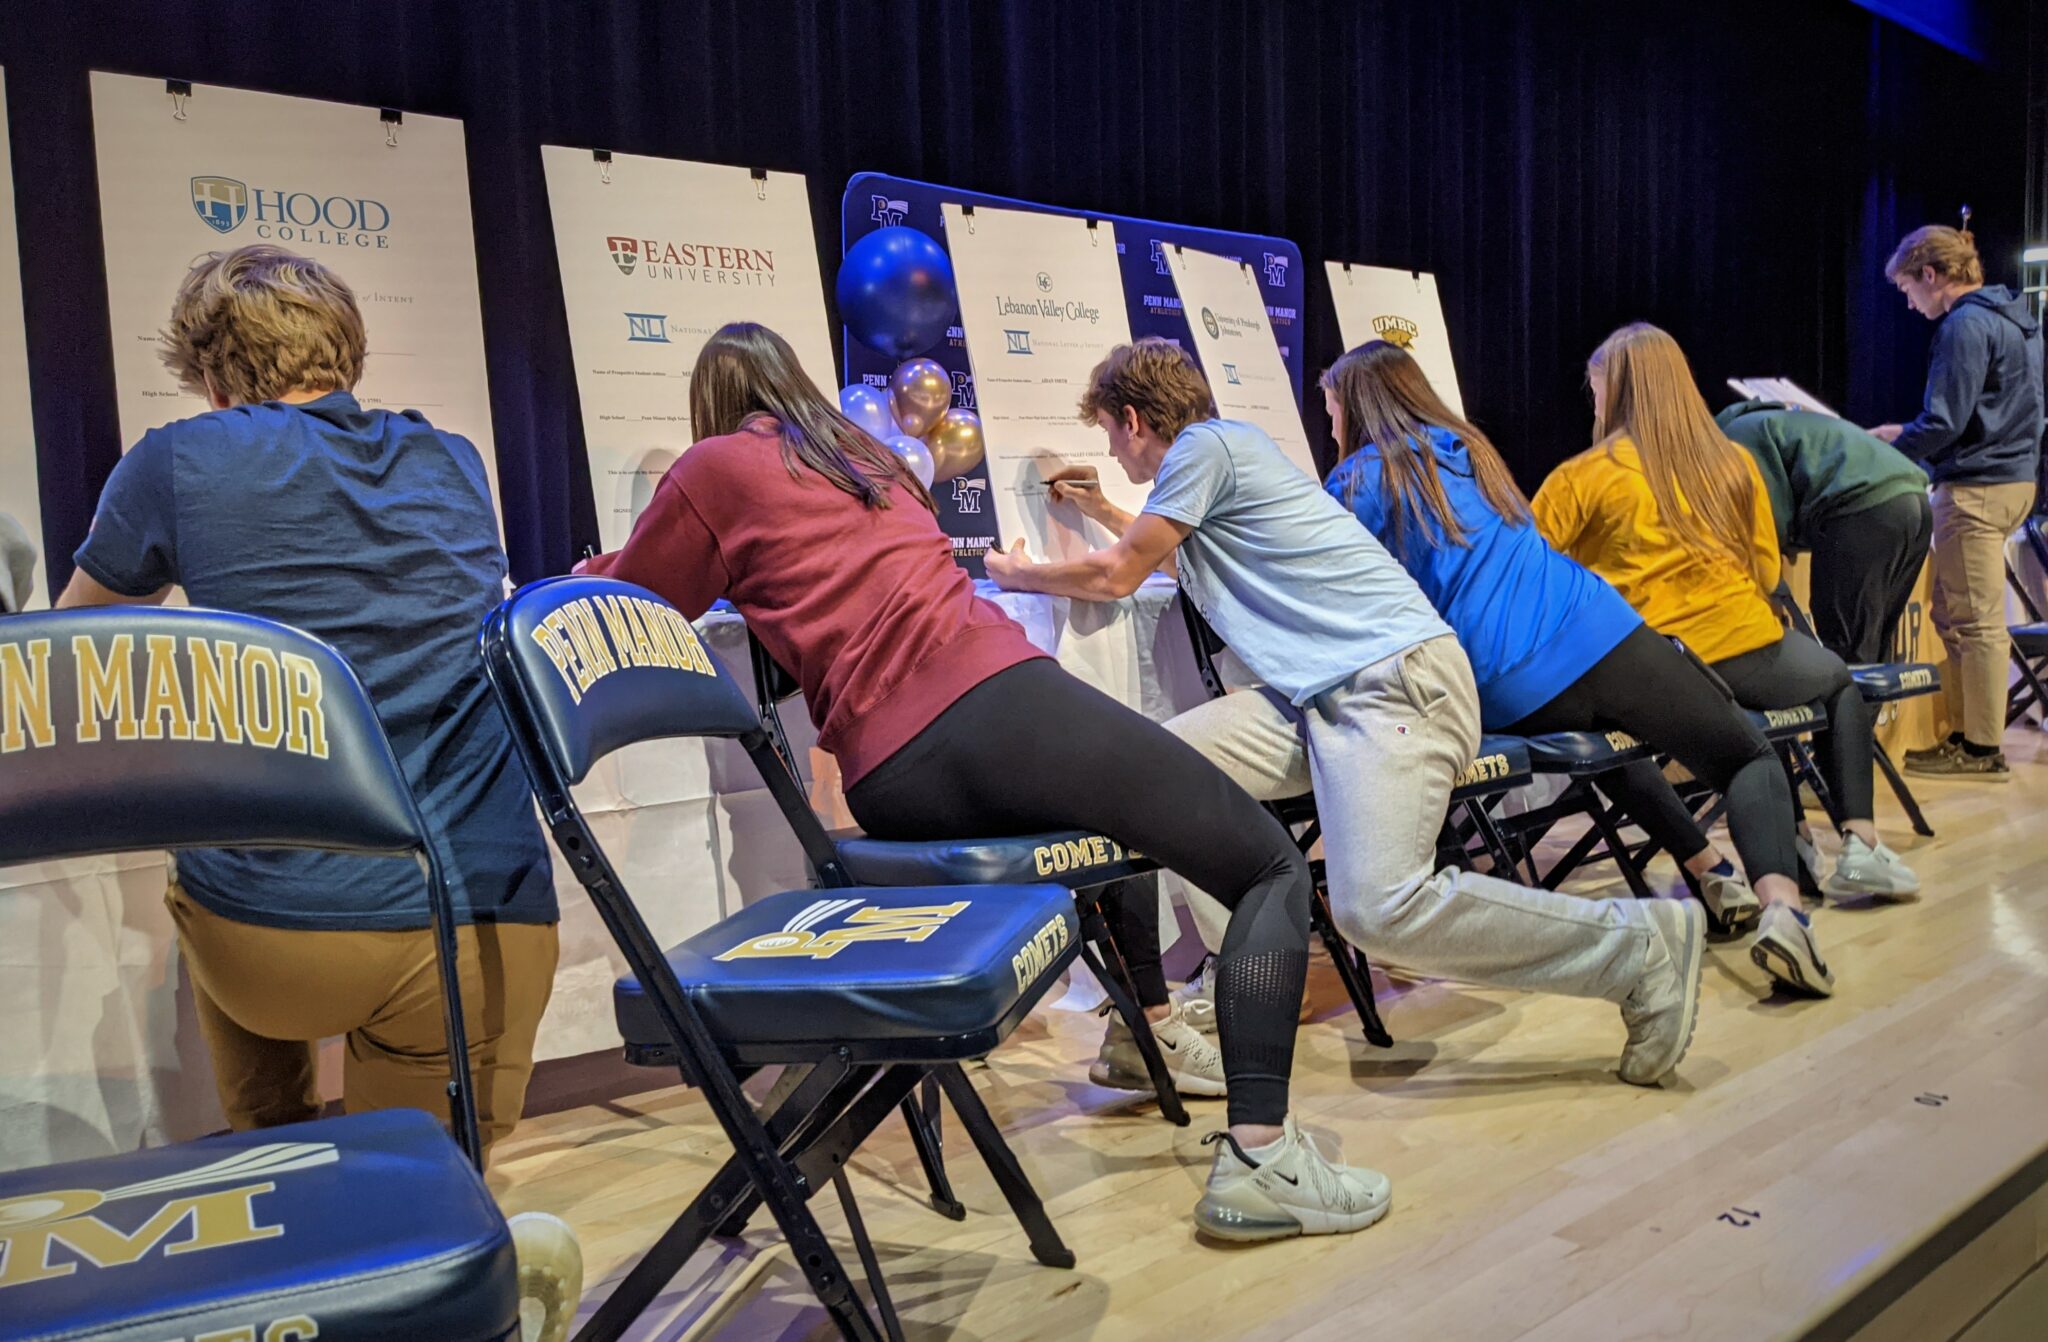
column 656, row 254
column 385, row 204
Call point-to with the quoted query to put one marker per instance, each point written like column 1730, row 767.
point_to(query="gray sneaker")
column 1734, row 905
column 1193, row 1061
column 1785, row 949
column 1196, row 999
column 1864, row 870
column 1290, row 1188
column 1662, row 1010
column 1957, row 762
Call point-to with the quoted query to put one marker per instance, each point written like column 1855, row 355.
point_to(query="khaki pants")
column 1382, row 751
column 1971, row 523
column 267, row 995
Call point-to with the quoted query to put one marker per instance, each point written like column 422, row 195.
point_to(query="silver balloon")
column 919, row 392
column 916, row 455
column 868, row 408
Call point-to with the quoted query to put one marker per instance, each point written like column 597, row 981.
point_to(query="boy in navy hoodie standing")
column 1979, row 436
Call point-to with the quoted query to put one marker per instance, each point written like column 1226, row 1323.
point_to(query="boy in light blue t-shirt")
column 1369, row 696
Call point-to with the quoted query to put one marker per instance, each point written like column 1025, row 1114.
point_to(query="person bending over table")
column 1366, row 693
column 1554, row 648
column 948, row 724
column 1979, row 436
column 374, row 531
column 1664, row 507
column 1856, row 505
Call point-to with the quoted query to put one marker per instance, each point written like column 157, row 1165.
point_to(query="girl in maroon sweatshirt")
column 948, row 724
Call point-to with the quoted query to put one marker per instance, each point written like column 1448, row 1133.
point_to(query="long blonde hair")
column 1705, row 495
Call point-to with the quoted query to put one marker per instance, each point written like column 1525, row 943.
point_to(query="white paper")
column 20, row 495
column 1400, row 306
column 1041, row 302
column 318, row 178
column 1227, row 313
column 653, row 261
column 1780, row 389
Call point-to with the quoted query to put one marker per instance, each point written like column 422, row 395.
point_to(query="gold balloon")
column 956, row 444
column 919, row 392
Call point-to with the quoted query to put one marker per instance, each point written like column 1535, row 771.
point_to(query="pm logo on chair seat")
column 220, row 202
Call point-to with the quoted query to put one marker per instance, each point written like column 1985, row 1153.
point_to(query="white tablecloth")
column 100, row 1051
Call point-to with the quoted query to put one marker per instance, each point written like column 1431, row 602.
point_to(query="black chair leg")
column 1603, row 820
column 1046, row 1245
column 863, row 1246
column 1902, row 791
column 922, row 1120
column 1352, row 968
column 1094, row 932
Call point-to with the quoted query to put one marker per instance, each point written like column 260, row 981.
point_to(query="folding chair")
column 1084, row 862
column 2029, row 640
column 1299, row 815
column 127, row 729
column 871, row 992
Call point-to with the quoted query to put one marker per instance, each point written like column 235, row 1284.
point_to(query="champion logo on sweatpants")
column 1401, row 727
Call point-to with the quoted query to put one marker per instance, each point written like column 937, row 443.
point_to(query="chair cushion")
column 368, row 1226
column 1583, row 753
column 2031, row 639
column 1075, row 858
column 798, row 973
column 1502, row 764
column 1882, row 682
column 1779, row 724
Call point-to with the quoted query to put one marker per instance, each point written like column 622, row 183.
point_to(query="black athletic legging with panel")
column 1794, row 671
column 1651, row 690
column 1033, row 749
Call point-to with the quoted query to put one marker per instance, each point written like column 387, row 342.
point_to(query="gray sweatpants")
column 1381, row 751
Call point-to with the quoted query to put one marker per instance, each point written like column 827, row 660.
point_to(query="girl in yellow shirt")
column 1664, row 507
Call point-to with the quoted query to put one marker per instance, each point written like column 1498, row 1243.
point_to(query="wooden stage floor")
column 1782, row 1187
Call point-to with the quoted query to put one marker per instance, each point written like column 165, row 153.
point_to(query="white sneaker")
column 1808, row 854
column 1196, row 999
column 1864, row 870
column 550, row 1275
column 1734, row 905
column 1662, row 1010
column 1284, row 1189
column 1192, row 1061
column 1785, row 949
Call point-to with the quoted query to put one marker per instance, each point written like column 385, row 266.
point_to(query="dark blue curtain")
column 1736, row 171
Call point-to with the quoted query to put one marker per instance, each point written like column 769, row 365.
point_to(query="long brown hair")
column 1700, row 480
column 1388, row 402
column 748, row 373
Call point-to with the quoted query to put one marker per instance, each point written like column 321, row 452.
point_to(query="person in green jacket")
column 1856, row 504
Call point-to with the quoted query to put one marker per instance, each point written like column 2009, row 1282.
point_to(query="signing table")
column 101, row 1052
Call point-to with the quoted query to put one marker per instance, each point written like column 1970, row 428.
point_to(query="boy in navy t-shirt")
column 374, row 531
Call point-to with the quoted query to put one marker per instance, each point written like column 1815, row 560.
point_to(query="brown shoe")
column 1960, row 763
column 1933, row 752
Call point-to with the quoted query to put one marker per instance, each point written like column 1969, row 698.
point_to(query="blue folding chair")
column 870, row 991
column 127, row 729
column 2029, row 647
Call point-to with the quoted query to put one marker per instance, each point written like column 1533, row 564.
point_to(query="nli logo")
column 1017, row 342
column 1276, row 269
column 1230, row 375
column 799, row 936
column 1397, row 331
column 647, row 328
column 221, row 202
column 625, row 253
column 886, row 212
column 54, row 1234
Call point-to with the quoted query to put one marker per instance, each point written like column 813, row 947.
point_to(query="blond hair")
column 1701, row 481
column 258, row 323
column 1951, row 252
column 1154, row 377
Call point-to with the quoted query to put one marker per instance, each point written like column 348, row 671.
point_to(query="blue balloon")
column 896, row 291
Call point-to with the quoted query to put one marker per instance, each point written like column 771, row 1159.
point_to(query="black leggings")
column 1649, row 689
column 1794, row 671
column 1033, row 749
